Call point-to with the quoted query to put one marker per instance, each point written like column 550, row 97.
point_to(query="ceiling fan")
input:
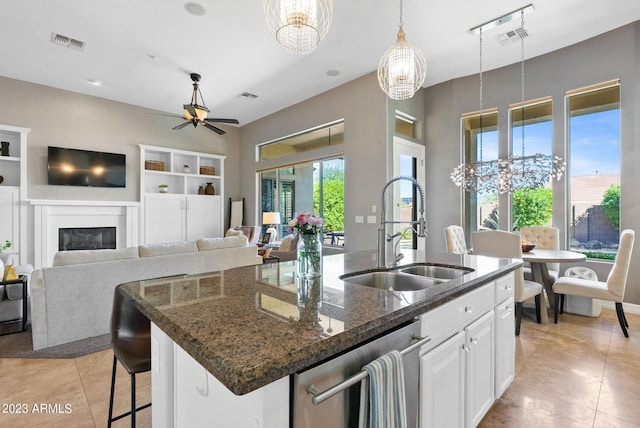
column 195, row 113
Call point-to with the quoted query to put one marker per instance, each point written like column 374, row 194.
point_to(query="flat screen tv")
column 74, row 167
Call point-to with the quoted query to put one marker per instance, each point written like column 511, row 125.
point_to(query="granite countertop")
column 253, row 325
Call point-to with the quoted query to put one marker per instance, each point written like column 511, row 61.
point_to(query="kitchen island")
column 251, row 328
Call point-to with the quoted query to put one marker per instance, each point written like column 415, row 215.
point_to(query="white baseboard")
column 628, row 307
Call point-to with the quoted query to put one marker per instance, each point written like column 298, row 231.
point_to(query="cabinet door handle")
column 466, row 348
column 204, row 389
column 468, row 309
column 474, row 340
column 506, row 287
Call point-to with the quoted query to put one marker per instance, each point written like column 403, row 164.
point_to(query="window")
column 594, row 169
column 405, row 124
column 322, row 136
column 480, row 139
column 316, row 186
column 532, row 207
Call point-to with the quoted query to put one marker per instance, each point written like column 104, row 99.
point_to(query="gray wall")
column 67, row 119
column 613, row 55
column 369, row 126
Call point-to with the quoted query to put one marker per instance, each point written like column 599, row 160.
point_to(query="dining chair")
column 131, row 344
column 498, row 243
column 545, row 238
column 455, row 240
column 611, row 290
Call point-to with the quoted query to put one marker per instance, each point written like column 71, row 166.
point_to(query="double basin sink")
column 413, row 277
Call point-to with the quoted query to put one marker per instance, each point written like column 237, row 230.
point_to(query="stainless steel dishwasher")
column 341, row 409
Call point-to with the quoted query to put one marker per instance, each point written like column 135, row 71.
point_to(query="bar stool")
column 131, row 344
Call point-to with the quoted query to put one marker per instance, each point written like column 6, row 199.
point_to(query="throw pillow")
column 233, row 232
column 289, row 243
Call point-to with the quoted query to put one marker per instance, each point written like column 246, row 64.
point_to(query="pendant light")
column 402, row 68
column 298, row 25
column 516, row 172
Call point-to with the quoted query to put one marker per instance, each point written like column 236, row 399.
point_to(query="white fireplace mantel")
column 51, row 215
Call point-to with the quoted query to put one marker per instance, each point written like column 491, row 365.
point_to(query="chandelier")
column 298, row 25
column 402, row 68
column 516, row 172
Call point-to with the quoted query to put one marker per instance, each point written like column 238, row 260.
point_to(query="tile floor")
column 581, row 372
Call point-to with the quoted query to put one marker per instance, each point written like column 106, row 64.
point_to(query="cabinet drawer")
column 444, row 321
column 504, row 287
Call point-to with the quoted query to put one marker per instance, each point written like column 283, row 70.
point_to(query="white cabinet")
column 184, row 394
column 479, row 369
column 181, row 213
column 442, row 385
column 505, row 346
column 170, row 217
column 469, row 362
column 13, row 190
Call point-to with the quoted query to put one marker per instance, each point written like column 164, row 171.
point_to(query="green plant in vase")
column 163, row 188
column 6, row 246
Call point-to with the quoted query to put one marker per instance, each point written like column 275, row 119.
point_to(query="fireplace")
column 86, row 238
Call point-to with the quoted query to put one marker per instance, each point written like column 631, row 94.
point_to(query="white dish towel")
column 382, row 398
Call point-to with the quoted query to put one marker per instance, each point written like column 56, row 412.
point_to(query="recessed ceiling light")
column 94, row 82
column 153, row 57
column 333, row 73
column 195, row 8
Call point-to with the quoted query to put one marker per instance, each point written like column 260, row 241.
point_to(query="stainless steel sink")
column 392, row 280
column 410, row 278
column 434, row 271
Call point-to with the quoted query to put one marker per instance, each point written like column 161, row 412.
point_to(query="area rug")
column 20, row 345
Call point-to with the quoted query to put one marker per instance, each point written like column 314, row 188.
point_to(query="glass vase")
column 309, row 257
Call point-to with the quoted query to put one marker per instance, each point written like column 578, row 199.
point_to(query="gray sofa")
column 72, row 300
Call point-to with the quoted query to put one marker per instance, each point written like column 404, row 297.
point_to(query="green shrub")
column 611, row 204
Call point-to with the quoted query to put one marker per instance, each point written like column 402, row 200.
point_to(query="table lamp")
column 271, row 218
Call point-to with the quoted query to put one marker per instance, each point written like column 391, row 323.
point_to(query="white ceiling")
column 232, row 49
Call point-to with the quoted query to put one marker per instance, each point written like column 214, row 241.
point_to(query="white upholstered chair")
column 545, row 238
column 498, row 243
column 455, row 240
column 611, row 290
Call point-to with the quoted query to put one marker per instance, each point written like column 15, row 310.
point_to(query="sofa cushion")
column 68, row 258
column 153, row 250
column 206, row 244
column 233, row 232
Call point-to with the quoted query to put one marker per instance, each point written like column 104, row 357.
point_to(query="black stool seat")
column 131, row 344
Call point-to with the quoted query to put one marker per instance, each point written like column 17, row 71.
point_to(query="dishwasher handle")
column 319, row 396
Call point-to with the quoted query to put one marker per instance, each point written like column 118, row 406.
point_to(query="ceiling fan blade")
column 215, row 119
column 182, row 125
column 214, row 128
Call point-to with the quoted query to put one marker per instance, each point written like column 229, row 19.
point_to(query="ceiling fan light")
column 298, row 25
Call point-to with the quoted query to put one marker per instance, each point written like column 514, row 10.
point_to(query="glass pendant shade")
column 201, row 111
column 298, row 25
column 402, row 69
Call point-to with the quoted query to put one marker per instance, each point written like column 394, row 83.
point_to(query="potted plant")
column 163, row 188
column 4, row 258
column 186, row 168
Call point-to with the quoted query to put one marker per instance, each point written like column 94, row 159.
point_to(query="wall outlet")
column 371, row 219
column 359, row 219
column 373, row 208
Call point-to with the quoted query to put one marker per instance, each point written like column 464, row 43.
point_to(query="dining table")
column 538, row 259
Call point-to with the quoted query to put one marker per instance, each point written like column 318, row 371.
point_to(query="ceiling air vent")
column 512, row 36
column 248, row 96
column 59, row 39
